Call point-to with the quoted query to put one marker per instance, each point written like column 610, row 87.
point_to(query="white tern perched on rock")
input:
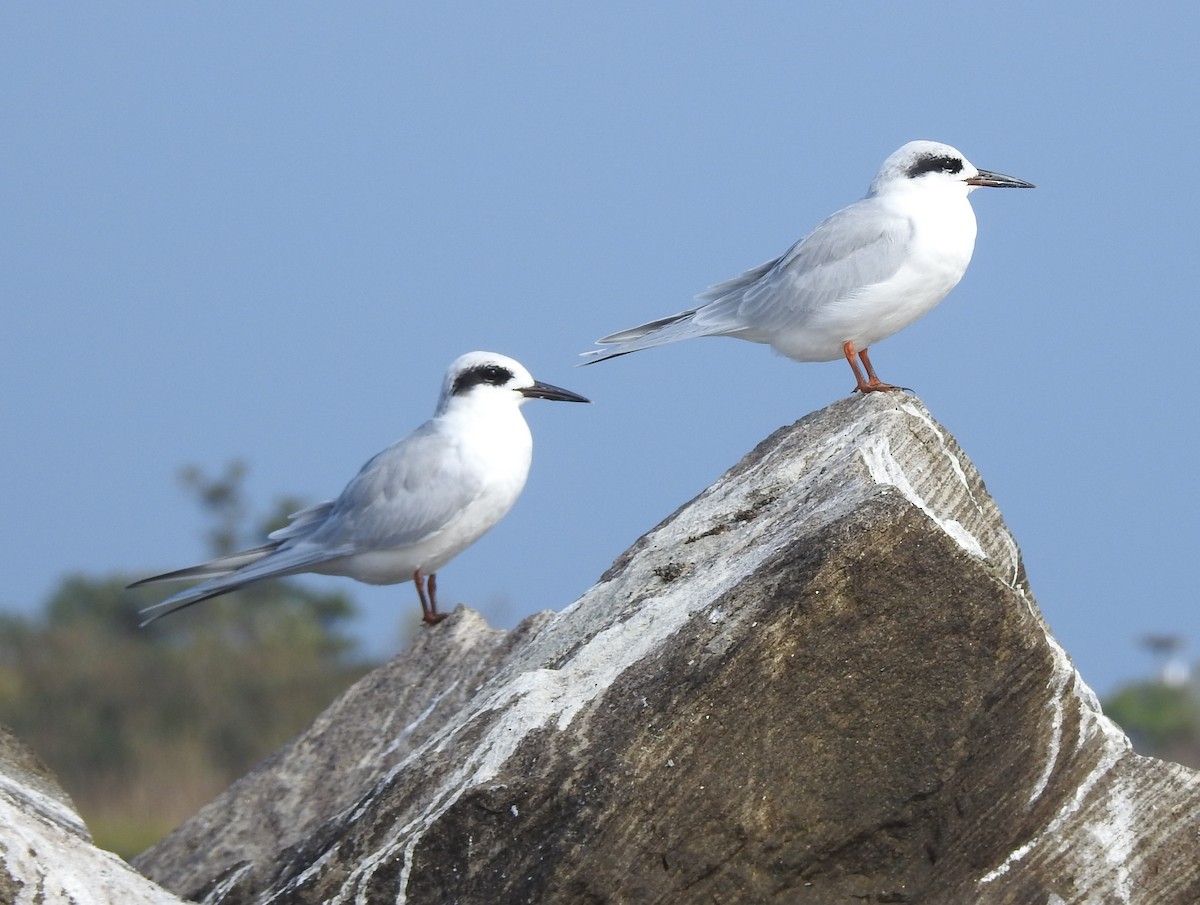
column 864, row 273
column 414, row 506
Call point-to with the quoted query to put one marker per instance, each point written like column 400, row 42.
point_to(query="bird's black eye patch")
column 944, row 164
column 496, row 375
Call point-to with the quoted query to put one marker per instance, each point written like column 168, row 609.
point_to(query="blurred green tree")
column 1162, row 720
column 143, row 726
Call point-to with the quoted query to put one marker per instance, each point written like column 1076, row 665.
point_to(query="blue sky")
column 263, row 231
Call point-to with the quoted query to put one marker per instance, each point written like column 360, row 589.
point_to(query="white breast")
column 943, row 240
column 493, row 449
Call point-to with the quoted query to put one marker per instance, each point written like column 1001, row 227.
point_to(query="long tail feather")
column 216, row 567
column 655, row 333
column 272, row 563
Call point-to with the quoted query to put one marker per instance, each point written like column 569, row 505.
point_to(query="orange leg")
column 427, row 591
column 870, row 385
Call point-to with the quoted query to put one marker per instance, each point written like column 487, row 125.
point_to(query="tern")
column 863, row 274
column 413, row 507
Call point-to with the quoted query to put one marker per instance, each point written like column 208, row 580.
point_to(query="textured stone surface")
column 243, row 838
column 46, row 853
column 823, row 680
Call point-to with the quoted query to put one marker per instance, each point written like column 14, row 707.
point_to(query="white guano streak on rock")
column 422, row 717
column 1009, row 541
column 884, row 469
column 82, row 874
column 1113, row 832
column 538, row 697
column 955, row 465
column 45, row 806
column 1057, row 687
column 227, row 884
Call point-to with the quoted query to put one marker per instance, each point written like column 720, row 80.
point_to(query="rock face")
column 46, row 853
column 823, row 680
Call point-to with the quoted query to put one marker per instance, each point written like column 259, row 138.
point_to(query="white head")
column 494, row 379
column 930, row 164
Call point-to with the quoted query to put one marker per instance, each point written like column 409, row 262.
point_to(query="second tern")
column 863, row 274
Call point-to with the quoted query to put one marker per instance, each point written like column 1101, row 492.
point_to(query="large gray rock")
column 823, row 680
column 46, row 853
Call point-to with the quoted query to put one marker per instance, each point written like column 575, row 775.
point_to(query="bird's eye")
column 495, row 375
column 941, row 164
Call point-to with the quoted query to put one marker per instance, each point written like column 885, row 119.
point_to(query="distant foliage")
column 1162, row 720
column 143, row 726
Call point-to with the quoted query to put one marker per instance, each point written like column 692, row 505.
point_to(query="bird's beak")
column 541, row 390
column 998, row 180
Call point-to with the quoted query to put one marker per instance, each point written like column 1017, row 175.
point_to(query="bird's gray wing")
column 302, row 522
column 411, row 491
column 405, row 494
column 859, row 246
column 741, row 282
